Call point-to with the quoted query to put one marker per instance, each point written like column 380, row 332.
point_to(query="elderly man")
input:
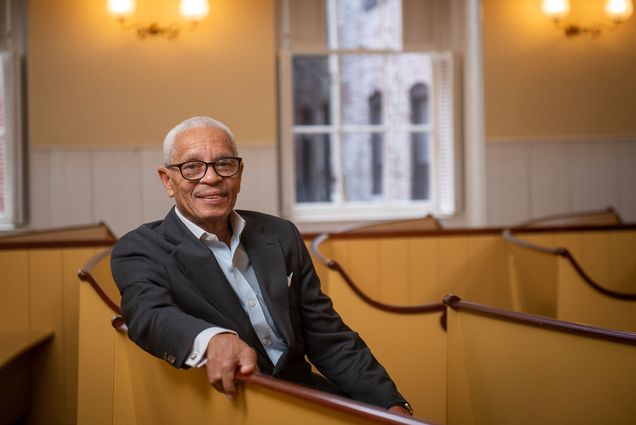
column 235, row 291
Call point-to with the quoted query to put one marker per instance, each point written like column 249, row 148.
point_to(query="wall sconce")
column 618, row 11
column 193, row 11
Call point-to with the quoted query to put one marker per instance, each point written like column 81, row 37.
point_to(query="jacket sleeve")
column 154, row 320
column 336, row 350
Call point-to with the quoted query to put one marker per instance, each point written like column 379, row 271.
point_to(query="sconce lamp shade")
column 121, row 8
column 556, row 9
column 619, row 10
column 194, row 10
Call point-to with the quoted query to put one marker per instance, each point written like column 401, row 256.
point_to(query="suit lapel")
column 267, row 258
column 198, row 264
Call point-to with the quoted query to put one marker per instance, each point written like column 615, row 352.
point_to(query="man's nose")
column 210, row 175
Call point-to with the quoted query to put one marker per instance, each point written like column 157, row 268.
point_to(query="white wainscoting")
column 534, row 179
column 524, row 180
column 120, row 186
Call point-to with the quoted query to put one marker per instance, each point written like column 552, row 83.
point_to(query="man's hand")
column 227, row 356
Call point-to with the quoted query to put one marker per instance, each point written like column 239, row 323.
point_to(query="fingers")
column 228, row 355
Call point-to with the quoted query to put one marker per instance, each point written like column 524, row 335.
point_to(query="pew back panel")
column 39, row 292
column 412, row 347
column 554, row 275
column 503, row 371
column 423, row 268
column 578, row 302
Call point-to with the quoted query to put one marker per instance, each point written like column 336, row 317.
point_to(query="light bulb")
column 121, row 8
column 619, row 10
column 556, row 9
column 194, row 10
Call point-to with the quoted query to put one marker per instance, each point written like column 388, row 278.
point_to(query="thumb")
column 247, row 362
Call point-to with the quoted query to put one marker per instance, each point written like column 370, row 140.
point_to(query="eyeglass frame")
column 207, row 166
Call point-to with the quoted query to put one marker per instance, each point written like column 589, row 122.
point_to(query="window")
column 368, row 119
column 11, row 146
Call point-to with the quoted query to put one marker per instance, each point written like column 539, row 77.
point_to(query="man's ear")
column 164, row 175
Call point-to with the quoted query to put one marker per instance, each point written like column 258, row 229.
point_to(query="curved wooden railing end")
column 509, row 236
column 85, row 275
column 400, row 309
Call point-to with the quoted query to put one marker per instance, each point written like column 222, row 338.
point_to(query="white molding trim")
column 474, row 127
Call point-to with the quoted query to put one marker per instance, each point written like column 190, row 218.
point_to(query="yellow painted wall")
column 539, row 84
column 91, row 83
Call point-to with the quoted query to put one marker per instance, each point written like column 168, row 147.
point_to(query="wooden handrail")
column 60, row 237
column 400, row 309
column 456, row 303
column 324, row 399
column 608, row 216
column 509, row 236
column 85, row 275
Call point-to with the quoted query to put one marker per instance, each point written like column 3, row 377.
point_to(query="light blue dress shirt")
column 239, row 272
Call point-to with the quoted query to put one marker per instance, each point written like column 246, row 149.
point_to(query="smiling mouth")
column 211, row 196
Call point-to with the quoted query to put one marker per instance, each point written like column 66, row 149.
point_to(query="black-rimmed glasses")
column 195, row 170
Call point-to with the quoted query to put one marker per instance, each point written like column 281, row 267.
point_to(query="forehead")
column 203, row 140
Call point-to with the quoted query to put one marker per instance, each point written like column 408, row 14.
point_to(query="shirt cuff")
column 198, row 354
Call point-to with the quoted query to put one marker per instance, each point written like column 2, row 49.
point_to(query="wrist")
column 405, row 406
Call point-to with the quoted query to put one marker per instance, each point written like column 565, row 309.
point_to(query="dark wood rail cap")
column 509, row 236
column 85, row 275
column 592, row 218
column 60, row 237
column 342, row 404
column 456, row 303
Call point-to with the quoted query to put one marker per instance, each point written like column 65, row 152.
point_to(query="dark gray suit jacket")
column 172, row 289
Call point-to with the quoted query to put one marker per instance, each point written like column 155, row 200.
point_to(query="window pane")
column 361, row 79
column 408, row 78
column 363, row 166
column 419, row 166
column 311, row 90
column 314, row 174
column 369, row 24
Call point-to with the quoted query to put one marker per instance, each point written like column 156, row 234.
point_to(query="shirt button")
column 252, row 303
column 265, row 342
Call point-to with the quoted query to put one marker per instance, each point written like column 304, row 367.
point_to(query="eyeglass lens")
column 224, row 167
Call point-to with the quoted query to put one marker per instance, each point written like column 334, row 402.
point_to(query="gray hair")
column 194, row 122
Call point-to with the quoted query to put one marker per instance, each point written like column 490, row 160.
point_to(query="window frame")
column 12, row 51
column 338, row 209
column 12, row 216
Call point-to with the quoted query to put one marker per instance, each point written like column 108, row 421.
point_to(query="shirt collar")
column 238, row 224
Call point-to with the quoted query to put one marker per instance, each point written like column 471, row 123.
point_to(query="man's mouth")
column 211, row 195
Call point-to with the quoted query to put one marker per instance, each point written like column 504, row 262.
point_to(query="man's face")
column 209, row 201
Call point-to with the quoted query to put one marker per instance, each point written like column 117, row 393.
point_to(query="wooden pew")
column 121, row 384
column 514, row 368
column 18, row 355
column 39, row 293
column 421, row 267
column 575, row 274
column 407, row 339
